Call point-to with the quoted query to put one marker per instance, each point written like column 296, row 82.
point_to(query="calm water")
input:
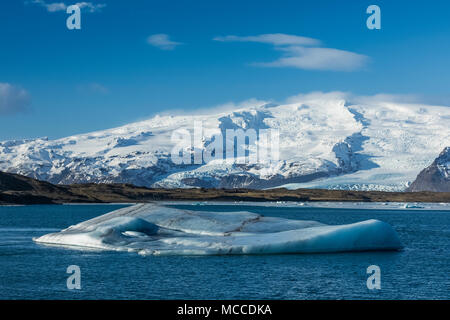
column 32, row 271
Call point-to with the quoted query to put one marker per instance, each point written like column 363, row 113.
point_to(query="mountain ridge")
column 325, row 142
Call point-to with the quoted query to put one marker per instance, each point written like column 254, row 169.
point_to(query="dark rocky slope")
column 436, row 177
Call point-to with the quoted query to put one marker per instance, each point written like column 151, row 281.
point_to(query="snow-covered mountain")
column 324, row 141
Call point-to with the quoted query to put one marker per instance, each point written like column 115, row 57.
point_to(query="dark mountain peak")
column 436, row 177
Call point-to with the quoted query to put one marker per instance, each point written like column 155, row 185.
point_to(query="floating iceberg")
column 159, row 230
column 412, row 206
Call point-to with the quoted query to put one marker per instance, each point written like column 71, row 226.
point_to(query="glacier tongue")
column 324, row 142
column 157, row 230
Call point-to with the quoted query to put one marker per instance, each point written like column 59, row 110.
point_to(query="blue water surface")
column 33, row 271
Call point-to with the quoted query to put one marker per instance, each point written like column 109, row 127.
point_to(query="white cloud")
column 304, row 53
column 162, row 41
column 351, row 98
column 318, row 95
column 319, row 59
column 277, row 39
column 226, row 107
column 90, row 6
column 53, row 7
column 233, row 106
column 61, row 6
column 387, row 97
column 13, row 99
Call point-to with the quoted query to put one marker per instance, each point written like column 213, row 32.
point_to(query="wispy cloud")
column 277, row 39
column 352, row 98
column 304, row 53
column 13, row 99
column 319, row 59
column 93, row 87
column 222, row 108
column 162, row 41
column 61, row 6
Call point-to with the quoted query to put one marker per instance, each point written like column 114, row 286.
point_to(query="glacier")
column 327, row 140
column 151, row 229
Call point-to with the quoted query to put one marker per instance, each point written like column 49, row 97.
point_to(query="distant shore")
column 20, row 190
column 121, row 193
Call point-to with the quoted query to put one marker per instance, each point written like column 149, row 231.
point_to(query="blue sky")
column 133, row 59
